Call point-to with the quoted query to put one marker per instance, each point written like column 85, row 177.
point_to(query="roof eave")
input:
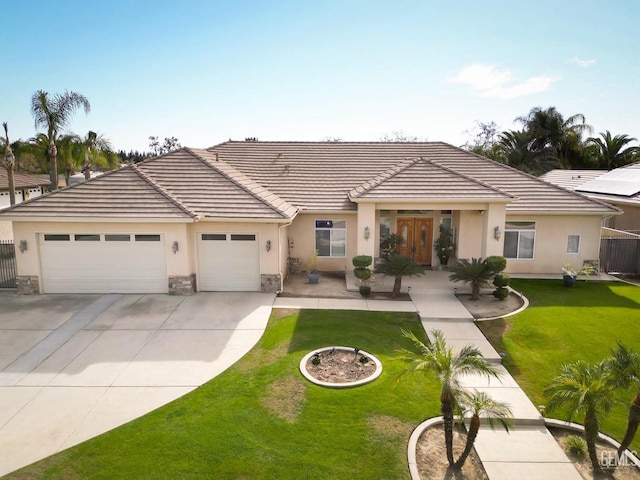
column 432, row 200
column 80, row 219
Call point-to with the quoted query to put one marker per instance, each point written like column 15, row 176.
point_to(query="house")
column 26, row 187
column 619, row 187
column 232, row 216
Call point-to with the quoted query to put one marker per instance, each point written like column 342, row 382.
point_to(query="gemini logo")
column 610, row 459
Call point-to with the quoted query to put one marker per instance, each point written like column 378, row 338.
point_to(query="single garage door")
column 228, row 262
column 103, row 263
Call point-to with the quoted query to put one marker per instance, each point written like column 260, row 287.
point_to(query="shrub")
column 364, row 359
column 362, row 273
column 501, row 293
column 576, row 446
column 496, row 263
column 315, row 359
column 389, row 246
column 362, row 261
column 501, row 280
column 365, row 290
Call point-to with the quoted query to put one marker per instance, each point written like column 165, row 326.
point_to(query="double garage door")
column 103, row 263
column 228, row 262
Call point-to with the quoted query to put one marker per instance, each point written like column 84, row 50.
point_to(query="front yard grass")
column 261, row 420
column 563, row 325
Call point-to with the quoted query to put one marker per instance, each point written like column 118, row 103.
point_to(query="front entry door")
column 417, row 238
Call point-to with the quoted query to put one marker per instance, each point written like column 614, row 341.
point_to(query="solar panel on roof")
column 622, row 181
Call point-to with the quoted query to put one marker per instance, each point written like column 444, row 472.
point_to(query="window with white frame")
column 519, row 239
column 573, row 244
column 331, row 238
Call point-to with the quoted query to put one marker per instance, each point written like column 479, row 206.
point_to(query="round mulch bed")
column 340, row 367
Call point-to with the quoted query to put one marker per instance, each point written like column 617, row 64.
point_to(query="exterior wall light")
column 367, row 233
column 497, row 233
column 174, row 247
column 22, row 246
column 268, row 245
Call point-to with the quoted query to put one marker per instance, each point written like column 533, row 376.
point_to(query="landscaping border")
column 357, row 383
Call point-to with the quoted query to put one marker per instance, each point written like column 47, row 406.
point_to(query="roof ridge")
column 537, row 179
column 322, row 142
column 467, row 177
column 245, row 182
column 163, row 191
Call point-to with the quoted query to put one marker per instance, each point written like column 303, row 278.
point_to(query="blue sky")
column 207, row 71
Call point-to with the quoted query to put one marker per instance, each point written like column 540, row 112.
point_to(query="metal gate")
column 8, row 269
column 620, row 255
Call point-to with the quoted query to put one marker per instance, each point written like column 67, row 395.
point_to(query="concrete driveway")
column 75, row 366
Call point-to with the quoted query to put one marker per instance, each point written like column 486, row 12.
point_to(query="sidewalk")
column 528, row 451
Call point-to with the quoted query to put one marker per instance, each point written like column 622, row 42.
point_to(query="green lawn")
column 563, row 325
column 261, row 420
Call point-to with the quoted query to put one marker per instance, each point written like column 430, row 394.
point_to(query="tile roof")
column 319, row 175
column 21, row 180
column 425, row 179
column 571, row 179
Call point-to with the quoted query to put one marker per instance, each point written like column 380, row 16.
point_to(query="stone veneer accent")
column 270, row 283
column 27, row 285
column 182, row 284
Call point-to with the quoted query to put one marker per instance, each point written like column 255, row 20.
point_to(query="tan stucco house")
column 26, row 187
column 235, row 216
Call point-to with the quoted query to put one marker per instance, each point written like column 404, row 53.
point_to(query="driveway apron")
column 75, row 366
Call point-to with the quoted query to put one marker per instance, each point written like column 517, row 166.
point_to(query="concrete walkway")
column 75, row 366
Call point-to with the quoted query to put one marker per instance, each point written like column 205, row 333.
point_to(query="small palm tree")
column 476, row 272
column 582, row 387
column 626, row 371
column 441, row 360
column 54, row 113
column 9, row 161
column 612, row 152
column 398, row 266
column 480, row 404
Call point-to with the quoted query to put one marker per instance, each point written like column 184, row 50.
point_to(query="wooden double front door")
column 417, row 238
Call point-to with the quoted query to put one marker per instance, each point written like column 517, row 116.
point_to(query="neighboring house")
column 27, row 186
column 619, row 187
column 229, row 218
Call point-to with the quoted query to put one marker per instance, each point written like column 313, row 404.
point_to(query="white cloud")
column 583, row 63
column 490, row 81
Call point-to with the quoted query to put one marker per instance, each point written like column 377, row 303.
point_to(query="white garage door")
column 228, row 262
column 103, row 263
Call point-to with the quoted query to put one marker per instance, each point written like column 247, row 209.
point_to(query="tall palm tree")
column 441, row 360
column 97, row 152
column 549, row 129
column 517, row 151
column 612, row 152
column 588, row 389
column 398, row 266
column 480, row 404
column 626, row 367
column 477, row 272
column 54, row 113
column 9, row 161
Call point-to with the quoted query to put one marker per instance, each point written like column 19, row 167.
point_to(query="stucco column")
column 366, row 220
column 494, row 217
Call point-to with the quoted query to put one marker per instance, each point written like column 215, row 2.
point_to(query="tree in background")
column 98, row 153
column 612, row 152
column 54, row 113
column 170, row 144
column 516, row 150
column 485, row 138
column 400, row 137
column 9, row 161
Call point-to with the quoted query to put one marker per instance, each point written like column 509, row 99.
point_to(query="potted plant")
column 570, row 274
column 444, row 245
column 312, row 270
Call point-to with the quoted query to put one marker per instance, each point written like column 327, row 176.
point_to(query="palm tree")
column 447, row 365
column 54, row 114
column 612, row 152
column 476, row 272
column 549, row 129
column 97, row 152
column 517, row 151
column 398, row 266
column 9, row 163
column 582, row 387
column 479, row 403
column 626, row 369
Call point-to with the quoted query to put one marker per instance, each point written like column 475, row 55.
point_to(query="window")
column 147, row 238
column 385, row 227
column 331, row 238
column 519, row 239
column 214, row 236
column 87, row 237
column 56, row 238
column 117, row 238
column 573, row 244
